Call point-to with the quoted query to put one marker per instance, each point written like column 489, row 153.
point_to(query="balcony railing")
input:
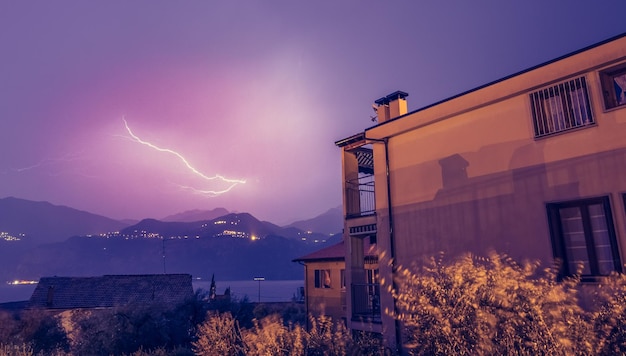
column 360, row 196
column 366, row 301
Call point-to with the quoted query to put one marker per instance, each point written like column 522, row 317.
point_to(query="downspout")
column 392, row 245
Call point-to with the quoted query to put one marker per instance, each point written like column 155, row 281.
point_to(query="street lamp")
column 259, row 279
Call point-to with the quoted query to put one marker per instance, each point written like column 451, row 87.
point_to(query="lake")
column 271, row 290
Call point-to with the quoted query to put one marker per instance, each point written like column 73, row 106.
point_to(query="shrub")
column 327, row 337
column 270, row 336
column 43, row 331
column 609, row 320
column 218, row 335
column 478, row 306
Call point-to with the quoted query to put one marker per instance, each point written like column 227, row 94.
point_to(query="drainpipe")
column 392, row 245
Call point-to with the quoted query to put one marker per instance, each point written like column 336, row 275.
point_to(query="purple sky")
column 251, row 90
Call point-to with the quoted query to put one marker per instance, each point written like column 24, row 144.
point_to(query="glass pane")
column 555, row 113
column 574, row 239
column 619, row 85
column 601, row 239
column 579, row 107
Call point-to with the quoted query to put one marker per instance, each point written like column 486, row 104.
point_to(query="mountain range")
column 58, row 240
column 42, row 222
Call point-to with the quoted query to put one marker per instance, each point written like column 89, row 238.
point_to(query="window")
column 371, row 276
column 322, row 278
column 562, row 107
column 614, row 86
column 583, row 234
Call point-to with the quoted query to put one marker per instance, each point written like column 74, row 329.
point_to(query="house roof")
column 359, row 138
column 110, row 291
column 334, row 252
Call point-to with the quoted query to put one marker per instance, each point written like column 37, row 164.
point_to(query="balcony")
column 360, row 196
column 366, row 302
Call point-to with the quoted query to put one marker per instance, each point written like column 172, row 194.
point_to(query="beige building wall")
column 468, row 175
column 326, row 301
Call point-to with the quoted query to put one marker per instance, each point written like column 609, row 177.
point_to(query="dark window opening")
column 583, row 237
column 614, row 86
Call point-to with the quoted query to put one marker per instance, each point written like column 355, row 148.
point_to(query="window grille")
column 562, row 107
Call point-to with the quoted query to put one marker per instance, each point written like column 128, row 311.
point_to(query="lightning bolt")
column 211, row 193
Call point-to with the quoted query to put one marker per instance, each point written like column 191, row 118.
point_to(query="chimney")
column 391, row 106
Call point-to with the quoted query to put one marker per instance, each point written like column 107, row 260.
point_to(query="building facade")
column 325, row 283
column 532, row 165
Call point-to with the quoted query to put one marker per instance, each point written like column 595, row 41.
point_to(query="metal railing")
column 366, row 301
column 360, row 196
column 561, row 107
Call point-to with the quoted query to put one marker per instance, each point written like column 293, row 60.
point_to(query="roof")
column 361, row 137
column 110, row 291
column 334, row 252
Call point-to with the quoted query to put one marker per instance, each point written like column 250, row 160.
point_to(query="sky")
column 142, row 109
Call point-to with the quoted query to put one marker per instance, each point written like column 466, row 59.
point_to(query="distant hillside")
column 330, row 222
column 234, row 246
column 242, row 225
column 43, row 222
column 196, row 215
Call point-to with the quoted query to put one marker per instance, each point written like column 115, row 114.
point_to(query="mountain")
column 330, row 222
column 241, row 225
column 196, row 215
column 234, row 246
column 43, row 222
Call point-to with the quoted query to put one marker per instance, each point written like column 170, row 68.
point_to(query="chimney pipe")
column 391, row 106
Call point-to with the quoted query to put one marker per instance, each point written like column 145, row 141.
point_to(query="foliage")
column 367, row 343
column 291, row 313
column 133, row 328
column 271, row 337
column 610, row 318
column 218, row 335
column 478, row 306
column 41, row 331
column 327, row 337
column 16, row 350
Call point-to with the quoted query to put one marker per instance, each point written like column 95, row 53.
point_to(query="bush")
column 490, row 305
column 218, row 335
column 42, row 331
column 609, row 320
column 271, row 337
column 132, row 328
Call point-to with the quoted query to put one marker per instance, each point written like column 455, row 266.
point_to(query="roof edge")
column 571, row 54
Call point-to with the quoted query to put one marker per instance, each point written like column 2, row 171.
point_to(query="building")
column 325, row 283
column 67, row 293
column 531, row 165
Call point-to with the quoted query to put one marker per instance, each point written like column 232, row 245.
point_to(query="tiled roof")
column 334, row 252
column 110, row 290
